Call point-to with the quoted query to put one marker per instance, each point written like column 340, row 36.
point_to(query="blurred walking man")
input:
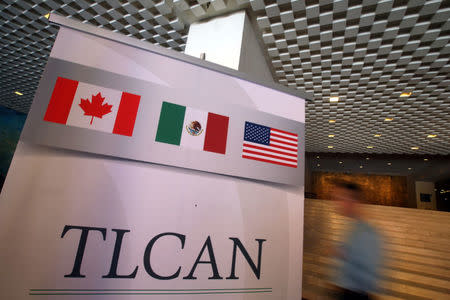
column 359, row 256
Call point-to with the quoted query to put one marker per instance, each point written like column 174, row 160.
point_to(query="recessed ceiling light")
column 330, row 147
column 367, row 158
column 332, row 121
column 405, row 94
column 47, row 16
column 331, row 135
column 18, row 93
column 425, row 159
column 414, row 148
column 360, row 167
column 389, row 163
column 377, row 135
column 432, row 135
column 369, row 147
column 389, row 119
column 318, row 165
column 334, row 99
column 409, row 168
column 340, row 162
column 317, row 156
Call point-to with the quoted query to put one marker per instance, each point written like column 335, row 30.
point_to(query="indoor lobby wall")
column 425, row 188
column 416, row 250
column 443, row 195
column 376, row 189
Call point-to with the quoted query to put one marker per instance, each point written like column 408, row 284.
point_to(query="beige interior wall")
column 426, row 188
column 417, row 250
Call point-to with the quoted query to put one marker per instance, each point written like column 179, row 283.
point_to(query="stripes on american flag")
column 270, row 145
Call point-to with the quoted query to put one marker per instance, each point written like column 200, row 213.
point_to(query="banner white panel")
column 76, row 224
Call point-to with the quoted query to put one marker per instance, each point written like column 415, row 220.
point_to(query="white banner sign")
column 75, row 224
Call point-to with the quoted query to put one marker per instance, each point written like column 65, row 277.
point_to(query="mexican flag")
column 192, row 128
column 85, row 105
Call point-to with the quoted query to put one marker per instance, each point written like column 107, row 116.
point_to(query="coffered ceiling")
column 367, row 53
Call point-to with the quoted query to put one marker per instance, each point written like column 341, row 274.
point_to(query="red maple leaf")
column 95, row 108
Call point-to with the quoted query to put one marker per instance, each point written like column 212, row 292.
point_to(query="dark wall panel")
column 11, row 124
column 377, row 189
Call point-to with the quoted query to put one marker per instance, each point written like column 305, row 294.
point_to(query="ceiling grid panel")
column 367, row 53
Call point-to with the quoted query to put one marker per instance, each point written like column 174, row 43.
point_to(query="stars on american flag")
column 257, row 133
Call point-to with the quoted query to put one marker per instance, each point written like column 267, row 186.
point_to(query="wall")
column 252, row 60
column 411, row 185
column 203, row 37
column 416, row 245
column 443, row 195
column 11, row 124
column 237, row 48
column 377, row 189
column 425, row 188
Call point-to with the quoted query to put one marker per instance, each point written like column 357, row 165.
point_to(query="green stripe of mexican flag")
column 192, row 128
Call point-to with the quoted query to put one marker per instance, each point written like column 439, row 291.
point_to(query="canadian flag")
column 85, row 105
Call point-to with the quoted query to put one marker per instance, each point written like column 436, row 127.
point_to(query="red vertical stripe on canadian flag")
column 216, row 133
column 126, row 115
column 61, row 101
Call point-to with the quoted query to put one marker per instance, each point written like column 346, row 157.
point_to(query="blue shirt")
column 360, row 259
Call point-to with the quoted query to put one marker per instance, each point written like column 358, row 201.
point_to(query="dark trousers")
column 345, row 294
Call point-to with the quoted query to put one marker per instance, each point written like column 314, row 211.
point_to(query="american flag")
column 270, row 145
